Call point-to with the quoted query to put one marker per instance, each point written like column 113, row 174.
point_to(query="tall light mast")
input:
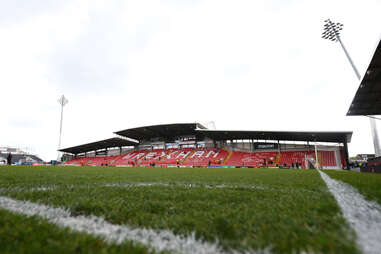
column 332, row 32
column 62, row 101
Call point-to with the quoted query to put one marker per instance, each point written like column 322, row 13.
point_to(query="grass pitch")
column 368, row 184
column 277, row 210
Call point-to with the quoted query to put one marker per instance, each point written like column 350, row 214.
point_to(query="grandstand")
column 193, row 145
column 19, row 156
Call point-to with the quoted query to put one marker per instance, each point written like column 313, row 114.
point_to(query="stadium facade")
column 19, row 156
column 193, row 145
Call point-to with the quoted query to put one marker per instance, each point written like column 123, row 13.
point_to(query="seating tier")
column 205, row 157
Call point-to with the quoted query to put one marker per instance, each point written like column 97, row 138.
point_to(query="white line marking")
column 207, row 186
column 135, row 184
column 160, row 240
column 186, row 185
column 363, row 216
column 25, row 189
column 42, row 188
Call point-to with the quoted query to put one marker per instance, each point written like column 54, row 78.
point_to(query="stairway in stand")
column 227, row 157
column 277, row 158
column 189, row 155
column 320, row 161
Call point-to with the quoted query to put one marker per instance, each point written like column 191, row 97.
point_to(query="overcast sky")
column 246, row 65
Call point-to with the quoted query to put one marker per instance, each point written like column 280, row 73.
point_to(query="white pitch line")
column 363, row 216
column 186, row 185
column 159, row 240
column 42, row 188
column 23, row 189
column 200, row 185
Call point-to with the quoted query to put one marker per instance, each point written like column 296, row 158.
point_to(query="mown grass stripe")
column 163, row 240
column 363, row 216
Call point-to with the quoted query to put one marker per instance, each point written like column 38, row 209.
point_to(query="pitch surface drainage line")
column 363, row 216
column 155, row 240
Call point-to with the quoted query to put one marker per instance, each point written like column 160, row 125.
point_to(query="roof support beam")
column 346, row 156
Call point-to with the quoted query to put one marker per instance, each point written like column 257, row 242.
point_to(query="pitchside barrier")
column 183, row 166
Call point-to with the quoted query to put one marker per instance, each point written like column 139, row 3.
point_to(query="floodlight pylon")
column 62, row 101
column 332, row 32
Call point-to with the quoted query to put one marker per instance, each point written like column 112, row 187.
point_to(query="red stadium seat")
column 202, row 157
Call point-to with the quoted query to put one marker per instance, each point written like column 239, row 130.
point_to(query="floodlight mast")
column 62, row 101
column 332, row 32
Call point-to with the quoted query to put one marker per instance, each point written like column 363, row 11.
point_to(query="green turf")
column 286, row 210
column 19, row 234
column 368, row 184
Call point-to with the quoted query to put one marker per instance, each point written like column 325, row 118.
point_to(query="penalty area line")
column 362, row 215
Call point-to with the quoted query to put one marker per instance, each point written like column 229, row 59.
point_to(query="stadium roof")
column 167, row 131
column 102, row 144
column 170, row 131
column 367, row 100
column 336, row 137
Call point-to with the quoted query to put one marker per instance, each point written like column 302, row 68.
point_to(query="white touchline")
column 363, row 216
column 159, row 240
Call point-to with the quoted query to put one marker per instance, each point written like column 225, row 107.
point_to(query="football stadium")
column 185, row 188
column 193, row 145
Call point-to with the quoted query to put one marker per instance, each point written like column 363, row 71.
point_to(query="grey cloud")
column 24, row 123
column 236, row 70
column 278, row 5
column 98, row 59
column 19, row 11
column 87, row 71
column 95, row 61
